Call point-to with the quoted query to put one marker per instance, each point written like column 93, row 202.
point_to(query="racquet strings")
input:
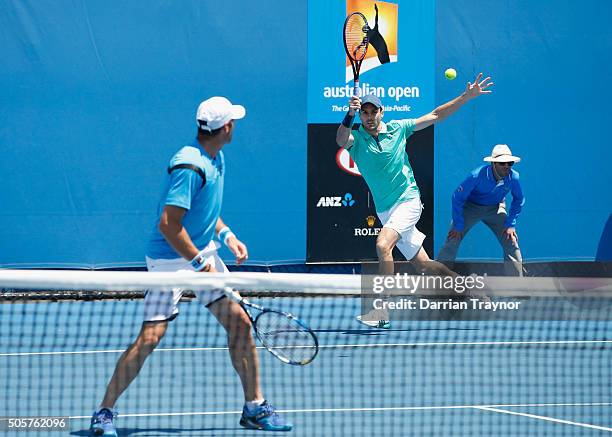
column 285, row 337
column 356, row 36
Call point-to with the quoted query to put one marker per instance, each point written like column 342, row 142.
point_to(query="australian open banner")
column 398, row 67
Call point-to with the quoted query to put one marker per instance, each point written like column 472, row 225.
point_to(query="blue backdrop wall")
column 97, row 96
column 549, row 60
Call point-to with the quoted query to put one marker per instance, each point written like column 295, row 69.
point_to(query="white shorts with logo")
column 402, row 218
column 163, row 305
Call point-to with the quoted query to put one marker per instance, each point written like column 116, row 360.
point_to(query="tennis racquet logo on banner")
column 370, row 36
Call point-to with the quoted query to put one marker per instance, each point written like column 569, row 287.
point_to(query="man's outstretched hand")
column 478, row 87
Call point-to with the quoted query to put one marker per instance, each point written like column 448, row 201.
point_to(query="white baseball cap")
column 501, row 153
column 213, row 113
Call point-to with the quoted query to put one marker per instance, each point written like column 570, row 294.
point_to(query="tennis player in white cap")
column 481, row 198
column 188, row 220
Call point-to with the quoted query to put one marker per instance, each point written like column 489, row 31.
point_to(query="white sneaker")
column 375, row 319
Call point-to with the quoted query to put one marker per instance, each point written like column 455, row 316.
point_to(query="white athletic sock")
column 252, row 405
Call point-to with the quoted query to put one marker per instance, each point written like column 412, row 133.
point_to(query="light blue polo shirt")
column 183, row 188
column 384, row 163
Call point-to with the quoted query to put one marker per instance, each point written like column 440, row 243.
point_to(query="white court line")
column 330, row 346
column 373, row 409
column 110, row 351
column 546, row 418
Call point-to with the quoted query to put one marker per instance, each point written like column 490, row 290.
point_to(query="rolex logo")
column 370, row 231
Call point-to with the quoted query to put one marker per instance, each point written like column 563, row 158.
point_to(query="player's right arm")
column 344, row 137
column 183, row 186
column 171, row 227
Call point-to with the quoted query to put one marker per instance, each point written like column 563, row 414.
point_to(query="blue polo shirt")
column 481, row 188
column 383, row 163
column 183, row 188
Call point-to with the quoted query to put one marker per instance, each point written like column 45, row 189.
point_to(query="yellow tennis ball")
column 450, row 73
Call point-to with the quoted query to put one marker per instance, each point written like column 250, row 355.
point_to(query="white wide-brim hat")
column 502, row 153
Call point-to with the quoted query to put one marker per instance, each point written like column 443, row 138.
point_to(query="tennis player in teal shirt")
column 379, row 150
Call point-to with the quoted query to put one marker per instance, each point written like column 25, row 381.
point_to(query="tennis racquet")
column 356, row 43
column 282, row 334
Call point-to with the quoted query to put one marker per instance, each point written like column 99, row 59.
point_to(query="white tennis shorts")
column 163, row 305
column 402, row 218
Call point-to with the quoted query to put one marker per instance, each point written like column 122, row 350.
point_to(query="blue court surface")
column 421, row 378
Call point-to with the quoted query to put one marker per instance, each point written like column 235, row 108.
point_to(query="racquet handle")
column 356, row 90
column 231, row 294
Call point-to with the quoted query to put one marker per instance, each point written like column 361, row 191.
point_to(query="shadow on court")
column 161, row 431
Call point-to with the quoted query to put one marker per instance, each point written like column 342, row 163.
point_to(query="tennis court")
column 463, row 378
column 126, row 123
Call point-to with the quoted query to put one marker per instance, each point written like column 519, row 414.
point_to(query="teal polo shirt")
column 383, row 163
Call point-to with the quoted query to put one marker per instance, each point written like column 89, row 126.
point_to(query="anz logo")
column 335, row 202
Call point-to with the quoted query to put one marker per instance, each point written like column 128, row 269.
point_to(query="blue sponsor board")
column 404, row 82
column 342, row 225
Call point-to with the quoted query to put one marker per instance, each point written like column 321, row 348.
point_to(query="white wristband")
column 225, row 233
column 199, row 263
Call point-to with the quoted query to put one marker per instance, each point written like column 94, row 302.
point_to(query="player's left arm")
column 442, row 112
column 237, row 247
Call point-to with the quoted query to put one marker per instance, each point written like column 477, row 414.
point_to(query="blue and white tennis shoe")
column 265, row 418
column 102, row 423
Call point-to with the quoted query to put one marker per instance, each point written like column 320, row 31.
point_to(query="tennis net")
column 542, row 368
